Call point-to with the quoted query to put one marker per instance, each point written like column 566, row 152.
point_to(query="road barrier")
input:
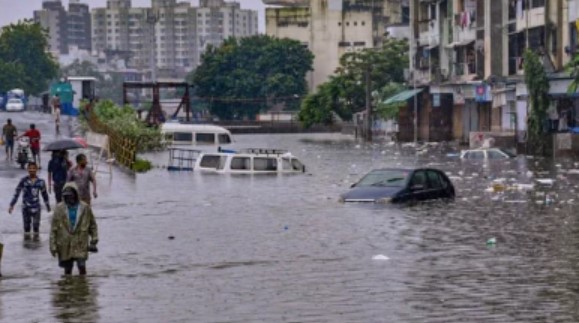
column 124, row 150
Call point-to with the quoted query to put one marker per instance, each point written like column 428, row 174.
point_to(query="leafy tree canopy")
column 238, row 78
column 538, row 86
column 344, row 94
column 24, row 60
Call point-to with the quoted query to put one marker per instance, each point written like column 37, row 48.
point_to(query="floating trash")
column 380, row 257
column 492, row 241
column 545, row 181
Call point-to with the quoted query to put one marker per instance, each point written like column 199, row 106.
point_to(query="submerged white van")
column 196, row 135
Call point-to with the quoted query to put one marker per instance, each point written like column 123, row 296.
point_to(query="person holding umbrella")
column 57, row 172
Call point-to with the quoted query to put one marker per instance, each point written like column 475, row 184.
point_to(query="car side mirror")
column 417, row 187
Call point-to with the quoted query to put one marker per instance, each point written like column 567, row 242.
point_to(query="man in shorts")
column 34, row 136
column 9, row 132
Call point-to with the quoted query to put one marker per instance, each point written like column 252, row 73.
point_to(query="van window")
column 297, row 165
column 286, row 164
column 224, row 138
column 183, row 136
column 264, row 164
column 240, row 163
column 210, row 161
column 205, row 138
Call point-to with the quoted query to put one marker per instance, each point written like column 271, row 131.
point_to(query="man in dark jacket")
column 57, row 173
column 31, row 187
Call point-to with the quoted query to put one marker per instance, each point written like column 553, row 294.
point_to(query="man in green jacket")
column 72, row 224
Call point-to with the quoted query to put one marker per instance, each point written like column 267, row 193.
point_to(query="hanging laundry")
column 473, row 17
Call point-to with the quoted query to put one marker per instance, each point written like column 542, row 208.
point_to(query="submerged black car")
column 398, row 185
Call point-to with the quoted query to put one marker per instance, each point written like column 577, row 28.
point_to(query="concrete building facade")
column 65, row 28
column 169, row 37
column 472, row 51
column 330, row 28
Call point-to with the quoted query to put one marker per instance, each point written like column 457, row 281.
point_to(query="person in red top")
column 34, row 136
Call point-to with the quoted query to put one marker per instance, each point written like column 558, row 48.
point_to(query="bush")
column 142, row 165
column 124, row 121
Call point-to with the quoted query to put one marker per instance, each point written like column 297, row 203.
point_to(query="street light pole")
column 368, row 105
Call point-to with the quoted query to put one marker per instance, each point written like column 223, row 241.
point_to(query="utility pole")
column 415, row 108
column 368, row 105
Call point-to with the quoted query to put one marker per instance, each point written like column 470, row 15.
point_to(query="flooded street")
column 282, row 249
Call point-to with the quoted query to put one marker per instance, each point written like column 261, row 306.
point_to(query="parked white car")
column 486, row 154
column 14, row 105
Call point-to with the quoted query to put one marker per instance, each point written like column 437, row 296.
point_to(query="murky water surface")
column 282, row 249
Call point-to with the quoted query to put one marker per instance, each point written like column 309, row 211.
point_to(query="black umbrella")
column 64, row 144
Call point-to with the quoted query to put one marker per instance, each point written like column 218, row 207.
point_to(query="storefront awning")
column 459, row 43
column 402, row 96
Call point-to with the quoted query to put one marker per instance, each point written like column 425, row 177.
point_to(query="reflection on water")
column 74, row 299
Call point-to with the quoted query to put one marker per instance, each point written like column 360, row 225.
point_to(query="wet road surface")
column 282, row 249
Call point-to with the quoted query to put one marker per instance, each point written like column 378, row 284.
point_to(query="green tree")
column 239, row 78
column 23, row 52
column 389, row 111
column 538, row 87
column 345, row 92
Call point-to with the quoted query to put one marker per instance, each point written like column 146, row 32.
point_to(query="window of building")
column 347, row 23
column 363, row 23
column 355, row 23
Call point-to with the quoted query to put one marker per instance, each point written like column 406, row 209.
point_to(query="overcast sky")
column 13, row 10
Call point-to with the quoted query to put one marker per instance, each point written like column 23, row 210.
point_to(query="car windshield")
column 508, row 153
column 14, row 101
column 384, row 178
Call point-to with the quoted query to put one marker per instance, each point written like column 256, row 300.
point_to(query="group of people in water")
column 73, row 229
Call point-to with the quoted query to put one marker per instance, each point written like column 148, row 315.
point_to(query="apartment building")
column 65, row 28
column 330, row 28
column 170, row 36
column 469, row 53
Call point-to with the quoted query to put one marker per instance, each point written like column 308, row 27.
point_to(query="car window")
column 476, row 155
column 494, row 154
column 388, row 178
column 434, row 179
column 419, row 178
column 508, row 153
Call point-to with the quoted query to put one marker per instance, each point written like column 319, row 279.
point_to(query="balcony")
column 532, row 18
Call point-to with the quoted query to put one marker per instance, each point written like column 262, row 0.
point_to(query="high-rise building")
column 65, row 28
column 170, row 36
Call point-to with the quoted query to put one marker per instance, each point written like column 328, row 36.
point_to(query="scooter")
column 24, row 153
